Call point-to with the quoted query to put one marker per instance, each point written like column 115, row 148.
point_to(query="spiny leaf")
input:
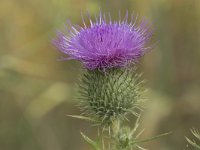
column 133, row 131
column 82, row 117
column 150, row 139
column 193, row 143
column 90, row 142
column 197, row 135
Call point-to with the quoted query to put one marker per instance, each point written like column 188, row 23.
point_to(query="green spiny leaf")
column 82, row 117
column 150, row 139
column 195, row 133
column 92, row 143
column 192, row 142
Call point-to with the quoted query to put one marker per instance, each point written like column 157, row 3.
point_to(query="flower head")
column 105, row 43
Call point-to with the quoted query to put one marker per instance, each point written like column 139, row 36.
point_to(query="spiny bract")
column 106, row 96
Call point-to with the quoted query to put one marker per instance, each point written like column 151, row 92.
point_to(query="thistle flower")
column 105, row 43
column 108, row 97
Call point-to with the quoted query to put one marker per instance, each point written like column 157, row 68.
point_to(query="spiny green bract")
column 110, row 95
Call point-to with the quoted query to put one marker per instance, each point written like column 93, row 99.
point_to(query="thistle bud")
column 111, row 95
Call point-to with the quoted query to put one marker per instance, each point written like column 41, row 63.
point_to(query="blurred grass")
column 36, row 90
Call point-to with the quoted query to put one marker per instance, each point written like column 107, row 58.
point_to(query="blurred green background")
column 37, row 91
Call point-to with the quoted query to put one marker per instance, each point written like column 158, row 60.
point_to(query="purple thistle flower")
column 105, row 43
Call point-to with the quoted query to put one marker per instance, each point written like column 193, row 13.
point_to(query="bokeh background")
column 37, row 90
